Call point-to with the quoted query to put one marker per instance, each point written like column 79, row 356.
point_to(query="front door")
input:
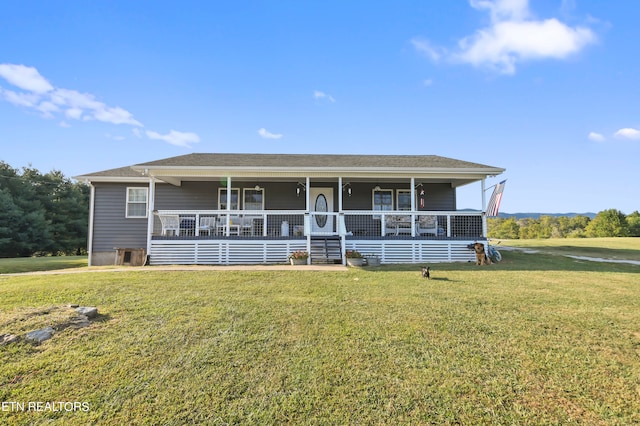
column 321, row 201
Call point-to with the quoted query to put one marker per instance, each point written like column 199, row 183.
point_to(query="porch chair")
column 170, row 222
column 397, row 224
column 207, row 224
column 222, row 225
column 427, row 224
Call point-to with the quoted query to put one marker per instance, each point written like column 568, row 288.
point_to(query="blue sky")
column 547, row 89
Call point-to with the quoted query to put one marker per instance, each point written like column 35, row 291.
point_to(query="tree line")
column 607, row 223
column 41, row 214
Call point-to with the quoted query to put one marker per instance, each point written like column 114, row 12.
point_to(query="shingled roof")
column 312, row 160
column 201, row 164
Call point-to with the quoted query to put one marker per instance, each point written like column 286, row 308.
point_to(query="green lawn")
column 46, row 263
column 535, row 339
column 608, row 248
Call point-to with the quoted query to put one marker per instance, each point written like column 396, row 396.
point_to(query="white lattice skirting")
column 247, row 252
column 407, row 251
column 222, row 252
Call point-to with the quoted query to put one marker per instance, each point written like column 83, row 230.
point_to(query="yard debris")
column 90, row 312
column 39, row 336
column 83, row 319
column 5, row 339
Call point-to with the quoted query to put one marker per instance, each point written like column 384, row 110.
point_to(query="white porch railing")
column 225, row 223
column 300, row 223
column 429, row 224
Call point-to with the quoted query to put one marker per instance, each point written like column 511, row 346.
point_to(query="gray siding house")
column 259, row 208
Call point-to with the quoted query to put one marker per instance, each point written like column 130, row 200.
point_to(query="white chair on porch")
column 170, row 222
column 207, row 224
column 427, row 224
column 233, row 225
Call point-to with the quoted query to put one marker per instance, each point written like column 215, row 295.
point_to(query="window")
column 382, row 200
column 222, row 198
column 137, row 202
column 254, row 199
column 403, row 199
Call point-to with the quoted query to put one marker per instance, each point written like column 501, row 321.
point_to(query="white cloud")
column 596, row 137
column 427, row 48
column 427, row 82
column 74, row 113
column 175, row 138
column 41, row 96
column 85, row 106
column 628, row 133
column 20, row 99
column 317, row 94
column 516, row 10
column 513, row 37
column 268, row 135
column 47, row 108
column 115, row 115
column 26, row 78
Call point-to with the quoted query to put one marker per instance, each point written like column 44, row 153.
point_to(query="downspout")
column 92, row 200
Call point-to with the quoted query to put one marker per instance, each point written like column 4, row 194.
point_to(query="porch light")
column 347, row 187
column 257, row 188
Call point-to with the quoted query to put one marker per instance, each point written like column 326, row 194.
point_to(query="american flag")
column 496, row 197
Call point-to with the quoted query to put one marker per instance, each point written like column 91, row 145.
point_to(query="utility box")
column 131, row 256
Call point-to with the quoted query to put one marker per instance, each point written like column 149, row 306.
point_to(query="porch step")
column 326, row 250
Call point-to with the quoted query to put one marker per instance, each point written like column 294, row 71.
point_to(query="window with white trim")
column 403, row 199
column 382, row 200
column 222, row 198
column 137, row 206
column 253, row 199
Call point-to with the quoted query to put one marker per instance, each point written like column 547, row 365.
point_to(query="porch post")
column 152, row 202
column 341, row 222
column 228, row 229
column 483, row 197
column 307, row 197
column 413, row 207
column 340, row 193
column 484, row 206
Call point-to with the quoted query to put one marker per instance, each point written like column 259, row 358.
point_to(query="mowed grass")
column 536, row 339
column 45, row 263
column 606, row 248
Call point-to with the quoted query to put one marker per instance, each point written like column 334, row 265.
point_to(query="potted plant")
column 298, row 257
column 354, row 258
column 372, row 260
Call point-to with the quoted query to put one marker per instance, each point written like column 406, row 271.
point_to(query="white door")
column 321, row 201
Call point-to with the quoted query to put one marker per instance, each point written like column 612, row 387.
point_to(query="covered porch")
column 402, row 209
column 270, row 236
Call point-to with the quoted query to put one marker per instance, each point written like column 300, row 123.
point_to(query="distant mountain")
column 537, row 215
